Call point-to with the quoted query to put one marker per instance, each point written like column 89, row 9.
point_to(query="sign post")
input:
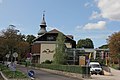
column 12, row 67
column 7, row 56
column 13, row 64
column 29, row 57
column 15, row 55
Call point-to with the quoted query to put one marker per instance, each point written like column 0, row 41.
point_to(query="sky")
column 94, row 19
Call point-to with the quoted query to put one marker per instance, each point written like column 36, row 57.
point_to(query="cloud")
column 109, row 9
column 99, row 25
column 95, row 15
column 88, row 4
column 78, row 28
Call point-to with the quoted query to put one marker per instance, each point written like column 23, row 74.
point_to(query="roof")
column 43, row 21
column 54, row 31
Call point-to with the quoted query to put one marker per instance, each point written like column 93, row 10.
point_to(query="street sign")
column 29, row 55
column 31, row 74
column 82, row 60
column 15, row 54
column 12, row 66
column 7, row 55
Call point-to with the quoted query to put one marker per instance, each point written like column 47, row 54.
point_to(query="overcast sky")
column 95, row 19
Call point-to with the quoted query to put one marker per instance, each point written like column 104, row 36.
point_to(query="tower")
column 42, row 26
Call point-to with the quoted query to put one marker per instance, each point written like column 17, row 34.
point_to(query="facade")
column 43, row 47
column 92, row 54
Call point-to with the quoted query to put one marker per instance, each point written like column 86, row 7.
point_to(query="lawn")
column 12, row 74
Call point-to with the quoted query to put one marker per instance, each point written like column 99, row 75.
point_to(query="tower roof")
column 42, row 26
column 43, row 20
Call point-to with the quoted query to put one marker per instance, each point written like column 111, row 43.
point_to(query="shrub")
column 66, row 68
column 47, row 62
column 11, row 74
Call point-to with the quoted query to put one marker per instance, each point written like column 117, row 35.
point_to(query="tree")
column 114, row 46
column 85, row 43
column 60, row 55
column 30, row 38
column 10, row 39
column 104, row 46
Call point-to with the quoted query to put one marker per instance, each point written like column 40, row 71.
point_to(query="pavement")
column 115, row 75
column 44, row 75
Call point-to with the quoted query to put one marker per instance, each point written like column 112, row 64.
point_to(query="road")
column 43, row 75
column 115, row 76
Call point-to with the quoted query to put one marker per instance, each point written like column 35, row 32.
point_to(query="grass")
column 12, row 74
column 115, row 66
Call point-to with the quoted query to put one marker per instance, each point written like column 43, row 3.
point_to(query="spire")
column 42, row 25
column 43, row 20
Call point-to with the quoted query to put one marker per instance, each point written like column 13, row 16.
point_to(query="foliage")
column 47, row 62
column 66, row 68
column 10, row 74
column 60, row 56
column 30, row 38
column 115, row 66
column 114, row 46
column 104, row 46
column 85, row 43
column 11, row 40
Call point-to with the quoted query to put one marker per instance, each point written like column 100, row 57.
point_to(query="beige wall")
column 68, row 45
column 47, row 52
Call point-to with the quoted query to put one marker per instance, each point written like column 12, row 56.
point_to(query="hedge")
column 66, row 68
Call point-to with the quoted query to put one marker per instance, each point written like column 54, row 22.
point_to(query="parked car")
column 95, row 68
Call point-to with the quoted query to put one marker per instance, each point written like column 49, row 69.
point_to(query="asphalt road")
column 43, row 75
column 115, row 76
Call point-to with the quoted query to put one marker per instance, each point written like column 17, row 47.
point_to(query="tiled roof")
column 54, row 31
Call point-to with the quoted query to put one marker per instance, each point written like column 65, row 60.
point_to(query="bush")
column 47, row 62
column 11, row 74
column 66, row 68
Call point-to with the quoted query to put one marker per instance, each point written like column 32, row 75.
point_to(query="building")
column 43, row 47
column 96, row 55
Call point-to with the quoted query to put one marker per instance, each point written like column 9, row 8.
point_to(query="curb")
column 68, row 74
column 3, row 76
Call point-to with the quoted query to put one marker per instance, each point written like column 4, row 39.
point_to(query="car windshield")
column 95, row 65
